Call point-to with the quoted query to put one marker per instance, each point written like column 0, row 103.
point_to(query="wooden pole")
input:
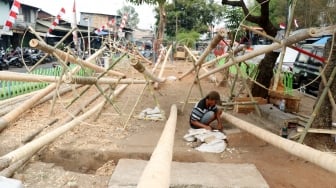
column 156, row 84
column 157, row 171
column 24, row 77
column 220, row 35
column 57, row 44
column 290, row 40
column 330, row 95
column 30, row 148
column 318, row 104
column 322, row 159
column 12, row 115
column 140, row 68
column 34, row 43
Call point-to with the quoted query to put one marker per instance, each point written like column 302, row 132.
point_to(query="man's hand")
column 208, row 128
column 220, row 127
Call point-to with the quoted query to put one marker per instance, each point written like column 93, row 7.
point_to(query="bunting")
column 12, row 15
column 56, row 21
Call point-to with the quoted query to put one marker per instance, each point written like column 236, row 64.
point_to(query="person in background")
column 206, row 111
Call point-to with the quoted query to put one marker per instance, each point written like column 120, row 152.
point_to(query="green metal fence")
column 10, row 89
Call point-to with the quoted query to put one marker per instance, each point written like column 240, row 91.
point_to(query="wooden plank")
column 292, row 102
column 278, row 117
column 242, row 107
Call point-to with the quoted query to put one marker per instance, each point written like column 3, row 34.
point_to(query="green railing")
column 9, row 89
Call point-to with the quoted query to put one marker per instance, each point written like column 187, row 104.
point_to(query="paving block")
column 187, row 175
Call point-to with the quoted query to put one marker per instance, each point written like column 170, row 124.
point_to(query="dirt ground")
column 86, row 155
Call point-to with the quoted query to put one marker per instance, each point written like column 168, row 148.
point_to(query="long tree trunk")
column 265, row 74
column 160, row 31
column 323, row 118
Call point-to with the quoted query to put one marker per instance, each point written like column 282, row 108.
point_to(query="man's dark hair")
column 214, row 95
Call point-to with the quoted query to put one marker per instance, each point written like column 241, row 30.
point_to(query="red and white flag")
column 56, row 21
column 111, row 23
column 12, row 15
column 74, row 25
column 123, row 22
column 282, row 26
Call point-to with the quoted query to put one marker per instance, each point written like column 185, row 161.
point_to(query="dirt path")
column 87, row 155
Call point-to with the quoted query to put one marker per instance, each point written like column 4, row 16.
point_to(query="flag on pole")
column 282, row 26
column 111, row 23
column 12, row 15
column 74, row 25
column 56, row 21
column 123, row 22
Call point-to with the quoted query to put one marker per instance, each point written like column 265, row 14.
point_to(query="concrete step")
column 200, row 175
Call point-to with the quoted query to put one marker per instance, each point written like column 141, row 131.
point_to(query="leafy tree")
column 133, row 16
column 262, row 18
column 181, row 16
column 234, row 16
column 187, row 38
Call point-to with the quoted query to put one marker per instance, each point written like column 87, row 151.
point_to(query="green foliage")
column 191, row 15
column 187, row 38
column 307, row 12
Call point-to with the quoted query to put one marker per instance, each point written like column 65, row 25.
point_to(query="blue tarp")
column 101, row 33
column 323, row 40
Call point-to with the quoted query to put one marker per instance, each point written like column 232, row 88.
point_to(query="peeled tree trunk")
column 322, row 159
column 323, row 117
column 160, row 30
column 157, row 171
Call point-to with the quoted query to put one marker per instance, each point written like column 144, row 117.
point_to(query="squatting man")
column 205, row 112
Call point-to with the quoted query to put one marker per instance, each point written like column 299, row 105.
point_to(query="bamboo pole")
column 163, row 66
column 14, row 114
column 8, row 172
column 289, row 41
column 140, row 68
column 157, row 171
column 220, row 35
column 324, row 160
column 158, row 61
column 69, row 118
column 213, row 78
column 225, row 55
column 330, row 95
column 283, row 50
column 34, row 43
column 318, row 104
column 32, row 147
column 45, row 55
column 136, row 56
column 322, row 131
column 24, row 77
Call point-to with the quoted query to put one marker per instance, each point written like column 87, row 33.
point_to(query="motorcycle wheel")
column 19, row 64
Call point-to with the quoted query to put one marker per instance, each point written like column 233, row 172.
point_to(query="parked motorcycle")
column 13, row 59
column 3, row 65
